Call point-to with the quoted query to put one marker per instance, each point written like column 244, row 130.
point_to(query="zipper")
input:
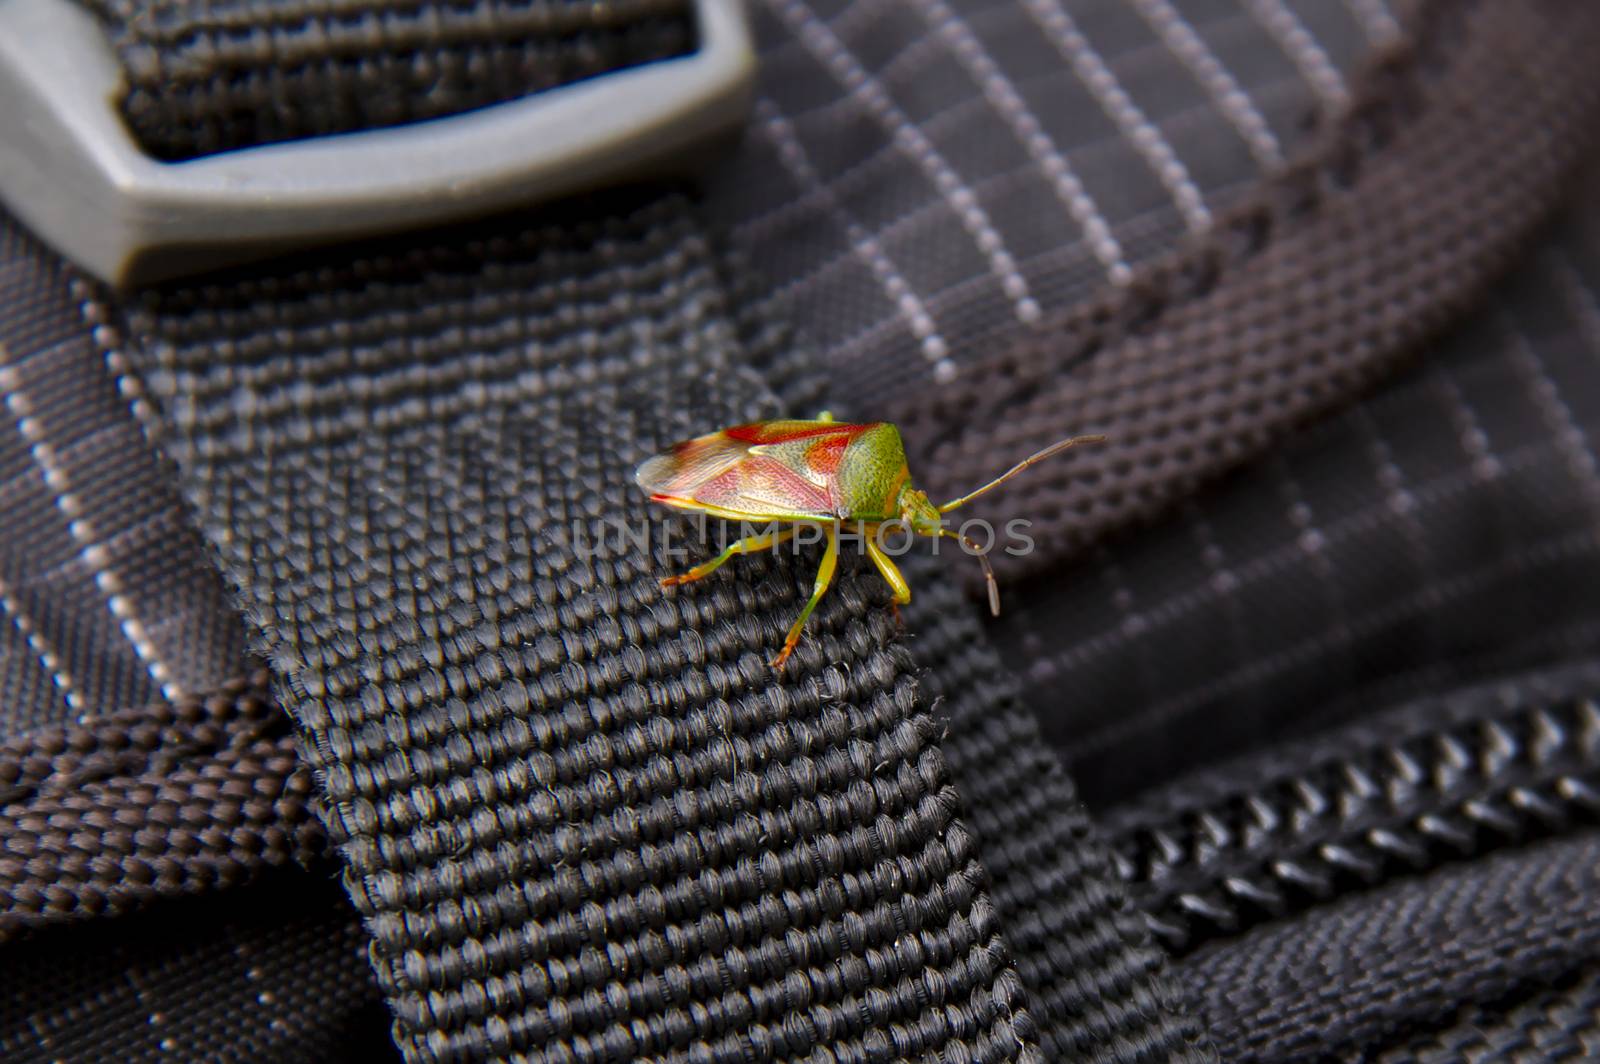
column 1206, row 859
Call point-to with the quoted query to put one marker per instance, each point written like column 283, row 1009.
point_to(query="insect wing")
column 686, row 467
column 769, row 469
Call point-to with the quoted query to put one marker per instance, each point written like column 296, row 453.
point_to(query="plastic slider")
column 71, row 171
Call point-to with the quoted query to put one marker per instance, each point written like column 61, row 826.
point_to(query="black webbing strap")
column 581, row 816
column 214, row 75
column 1095, row 981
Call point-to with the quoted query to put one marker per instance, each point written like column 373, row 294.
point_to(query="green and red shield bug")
column 821, row 472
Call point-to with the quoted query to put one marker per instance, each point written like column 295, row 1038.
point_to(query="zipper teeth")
column 1390, row 809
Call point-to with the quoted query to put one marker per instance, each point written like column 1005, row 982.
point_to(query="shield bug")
column 823, row 472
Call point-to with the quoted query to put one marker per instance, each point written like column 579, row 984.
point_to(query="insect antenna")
column 1054, row 449
column 983, row 560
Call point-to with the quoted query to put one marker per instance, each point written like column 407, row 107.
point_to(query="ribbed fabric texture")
column 1561, row 1022
column 1365, row 968
column 171, row 799
column 216, row 76
column 582, row 817
column 1095, row 981
column 157, row 801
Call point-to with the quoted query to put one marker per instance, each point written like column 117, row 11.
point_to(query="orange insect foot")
column 894, row 608
column 783, row 656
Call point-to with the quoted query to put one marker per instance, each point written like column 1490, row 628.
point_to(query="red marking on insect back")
column 825, row 455
column 787, row 431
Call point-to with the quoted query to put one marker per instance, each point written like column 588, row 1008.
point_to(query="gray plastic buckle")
column 71, row 171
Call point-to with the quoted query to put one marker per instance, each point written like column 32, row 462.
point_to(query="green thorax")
column 874, row 482
column 872, row 474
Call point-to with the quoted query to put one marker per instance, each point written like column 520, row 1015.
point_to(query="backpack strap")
column 581, row 815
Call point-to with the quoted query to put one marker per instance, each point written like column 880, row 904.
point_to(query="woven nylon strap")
column 581, row 816
column 217, row 75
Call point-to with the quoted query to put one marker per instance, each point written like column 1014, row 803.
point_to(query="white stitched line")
column 1146, row 137
column 1133, row 625
column 1235, row 104
column 47, row 655
column 1542, row 552
column 1402, row 503
column 1586, row 308
column 824, row 45
column 1475, row 441
column 94, row 553
column 1585, row 303
column 1313, row 541
column 97, row 317
column 1377, row 21
column 1003, row 96
column 1302, row 49
column 793, row 155
column 1280, row 558
column 1225, row 583
column 1573, row 442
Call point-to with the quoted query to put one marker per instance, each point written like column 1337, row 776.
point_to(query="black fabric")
column 109, row 601
column 1245, row 620
column 850, row 230
column 157, row 801
column 922, row 181
column 1560, row 1022
column 275, row 971
column 400, row 510
column 1364, row 968
column 1317, row 286
column 1129, row 963
column 110, row 815
column 753, row 862
column 1096, row 985
column 206, row 77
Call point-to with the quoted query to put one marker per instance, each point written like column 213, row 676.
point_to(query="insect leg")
column 830, row 562
column 889, row 570
column 748, row 545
